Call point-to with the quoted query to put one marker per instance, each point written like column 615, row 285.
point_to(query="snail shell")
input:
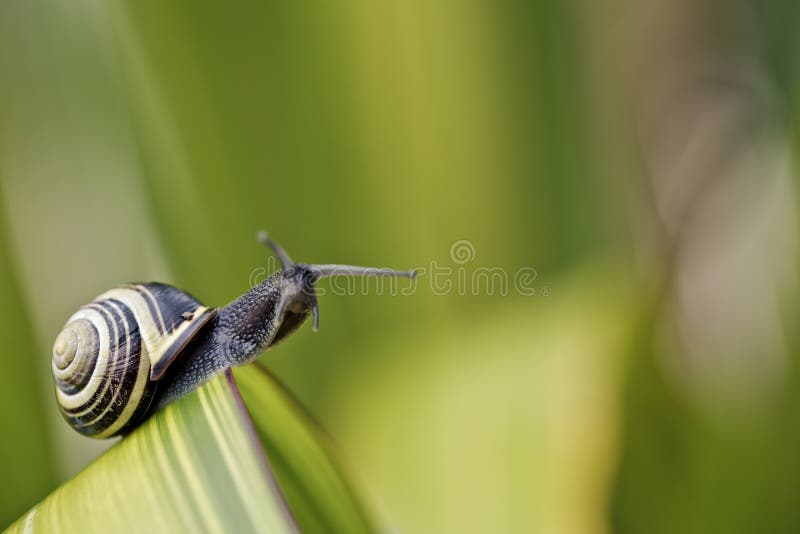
column 109, row 356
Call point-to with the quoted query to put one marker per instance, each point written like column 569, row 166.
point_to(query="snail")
column 138, row 347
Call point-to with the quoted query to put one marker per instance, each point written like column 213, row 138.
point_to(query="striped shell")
column 109, row 356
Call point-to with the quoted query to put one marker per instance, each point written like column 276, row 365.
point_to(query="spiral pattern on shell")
column 100, row 371
column 111, row 352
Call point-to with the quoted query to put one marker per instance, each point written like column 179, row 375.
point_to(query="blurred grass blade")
column 193, row 467
column 300, row 453
column 26, row 454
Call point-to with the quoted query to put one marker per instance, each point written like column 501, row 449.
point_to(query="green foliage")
column 149, row 140
column 26, row 455
column 198, row 465
column 301, row 456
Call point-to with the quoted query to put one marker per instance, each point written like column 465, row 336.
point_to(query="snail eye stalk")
column 282, row 255
column 334, row 270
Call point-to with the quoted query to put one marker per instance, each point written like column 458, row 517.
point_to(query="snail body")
column 137, row 347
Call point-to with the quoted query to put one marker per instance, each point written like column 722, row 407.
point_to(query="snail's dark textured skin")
column 241, row 331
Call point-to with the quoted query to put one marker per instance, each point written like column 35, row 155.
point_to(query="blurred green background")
column 640, row 156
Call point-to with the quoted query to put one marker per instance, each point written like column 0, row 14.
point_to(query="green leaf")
column 198, row 465
column 301, row 454
column 26, row 452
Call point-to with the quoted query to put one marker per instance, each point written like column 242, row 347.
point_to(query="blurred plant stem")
column 26, row 456
column 709, row 421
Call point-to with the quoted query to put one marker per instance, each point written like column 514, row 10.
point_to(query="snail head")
column 298, row 292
